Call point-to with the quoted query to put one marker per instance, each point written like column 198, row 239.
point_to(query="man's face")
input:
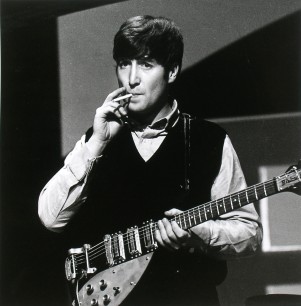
column 148, row 81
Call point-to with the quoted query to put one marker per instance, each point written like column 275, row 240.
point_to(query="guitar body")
column 111, row 286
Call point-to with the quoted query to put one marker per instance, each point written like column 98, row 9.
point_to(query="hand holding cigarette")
column 108, row 121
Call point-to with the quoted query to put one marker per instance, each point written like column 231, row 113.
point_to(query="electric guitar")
column 104, row 274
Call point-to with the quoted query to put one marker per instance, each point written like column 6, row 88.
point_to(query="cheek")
column 121, row 78
column 158, row 86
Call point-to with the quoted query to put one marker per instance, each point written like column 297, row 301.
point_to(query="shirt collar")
column 160, row 126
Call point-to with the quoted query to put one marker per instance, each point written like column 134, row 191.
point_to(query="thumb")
column 172, row 212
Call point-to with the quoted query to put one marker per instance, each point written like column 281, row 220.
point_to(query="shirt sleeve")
column 65, row 192
column 236, row 233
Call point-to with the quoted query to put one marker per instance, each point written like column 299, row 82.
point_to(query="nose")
column 134, row 79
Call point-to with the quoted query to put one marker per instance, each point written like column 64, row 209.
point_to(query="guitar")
column 104, row 274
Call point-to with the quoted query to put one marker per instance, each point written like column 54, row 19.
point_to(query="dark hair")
column 156, row 37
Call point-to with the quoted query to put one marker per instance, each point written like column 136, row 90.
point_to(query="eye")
column 123, row 63
column 146, row 65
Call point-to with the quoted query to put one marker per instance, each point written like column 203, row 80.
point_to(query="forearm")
column 237, row 233
column 231, row 236
column 65, row 192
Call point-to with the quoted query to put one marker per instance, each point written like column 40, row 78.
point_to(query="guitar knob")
column 89, row 289
column 94, row 302
column 117, row 290
column 103, row 284
column 106, row 299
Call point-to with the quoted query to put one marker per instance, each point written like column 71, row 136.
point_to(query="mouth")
column 134, row 95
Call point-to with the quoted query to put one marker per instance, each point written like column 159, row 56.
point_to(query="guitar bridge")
column 71, row 265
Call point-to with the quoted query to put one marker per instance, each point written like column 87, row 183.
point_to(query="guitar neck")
column 216, row 208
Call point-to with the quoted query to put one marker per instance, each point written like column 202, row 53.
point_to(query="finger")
column 159, row 238
column 172, row 212
column 164, row 237
column 107, row 108
column 181, row 235
column 121, row 114
column 161, row 242
column 169, row 231
column 120, row 109
column 114, row 94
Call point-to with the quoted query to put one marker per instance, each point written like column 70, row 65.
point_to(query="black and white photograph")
column 150, row 153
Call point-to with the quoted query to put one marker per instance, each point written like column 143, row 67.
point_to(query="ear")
column 172, row 74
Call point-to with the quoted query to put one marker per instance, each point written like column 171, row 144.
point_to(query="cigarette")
column 122, row 97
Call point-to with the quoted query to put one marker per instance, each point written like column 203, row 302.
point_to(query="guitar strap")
column 187, row 143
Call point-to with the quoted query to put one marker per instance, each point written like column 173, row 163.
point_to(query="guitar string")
column 102, row 251
column 212, row 205
column 93, row 252
column 251, row 192
column 186, row 216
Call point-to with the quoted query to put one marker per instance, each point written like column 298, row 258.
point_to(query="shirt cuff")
column 81, row 163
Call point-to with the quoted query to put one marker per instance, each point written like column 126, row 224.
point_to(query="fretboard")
column 214, row 209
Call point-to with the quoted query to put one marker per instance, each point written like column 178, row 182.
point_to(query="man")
column 143, row 158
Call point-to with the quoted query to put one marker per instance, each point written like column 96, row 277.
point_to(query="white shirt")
column 235, row 233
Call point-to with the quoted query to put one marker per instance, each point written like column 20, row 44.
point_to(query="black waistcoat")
column 126, row 190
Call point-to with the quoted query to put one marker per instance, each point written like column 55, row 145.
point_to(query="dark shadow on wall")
column 259, row 74
column 256, row 75
column 32, row 258
column 30, row 144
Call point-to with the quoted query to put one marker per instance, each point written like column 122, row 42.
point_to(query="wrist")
column 96, row 146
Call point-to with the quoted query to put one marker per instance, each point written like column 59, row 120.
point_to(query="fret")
column 211, row 209
column 189, row 218
column 208, row 212
column 205, row 212
column 184, row 221
column 220, row 204
column 239, row 199
column 224, row 205
column 180, row 221
column 200, row 214
column 256, row 195
column 227, row 203
column 247, row 196
column 260, row 191
column 264, row 189
column 216, row 204
column 235, row 201
column 231, row 202
column 195, row 223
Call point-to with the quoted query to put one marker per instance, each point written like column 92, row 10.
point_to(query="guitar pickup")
column 114, row 246
column 108, row 247
column 149, row 238
column 118, row 248
column 134, row 241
